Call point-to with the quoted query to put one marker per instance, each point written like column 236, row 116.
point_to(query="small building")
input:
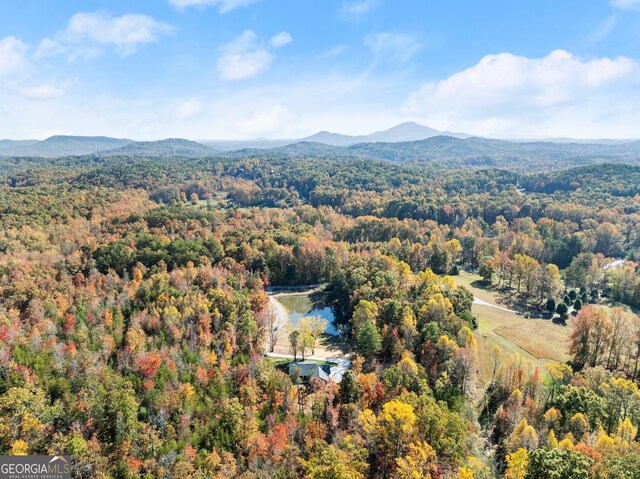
column 310, row 370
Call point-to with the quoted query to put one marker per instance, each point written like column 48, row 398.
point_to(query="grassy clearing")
column 540, row 341
column 218, row 200
column 473, row 283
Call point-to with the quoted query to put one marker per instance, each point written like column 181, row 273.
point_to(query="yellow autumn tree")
column 466, row 338
column 135, row 339
column 552, row 416
column 627, row 431
column 396, row 425
column 464, row 473
column 523, row 436
column 19, row 448
column 419, row 462
column 517, row 463
column 408, row 327
column 567, row 442
column 346, row 460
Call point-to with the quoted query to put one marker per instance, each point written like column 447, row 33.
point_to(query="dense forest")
column 134, row 317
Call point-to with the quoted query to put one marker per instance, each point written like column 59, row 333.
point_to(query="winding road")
column 482, row 302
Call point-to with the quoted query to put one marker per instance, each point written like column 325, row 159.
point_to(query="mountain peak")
column 410, row 124
column 82, row 138
column 407, row 131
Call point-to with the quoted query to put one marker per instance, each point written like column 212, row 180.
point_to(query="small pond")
column 301, row 304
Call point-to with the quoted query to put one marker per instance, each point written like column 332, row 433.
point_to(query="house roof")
column 310, row 370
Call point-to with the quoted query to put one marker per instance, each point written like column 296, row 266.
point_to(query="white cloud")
column 280, row 40
column 224, row 6
column 12, row 56
column 507, row 93
column 41, row 92
column 332, row 52
column 358, row 8
column 293, row 108
column 626, row 4
column 604, row 29
column 88, row 34
column 395, row 46
column 246, row 56
column 189, row 109
column 16, row 72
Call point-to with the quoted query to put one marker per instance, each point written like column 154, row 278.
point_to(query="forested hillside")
column 135, row 317
column 464, row 152
column 444, row 149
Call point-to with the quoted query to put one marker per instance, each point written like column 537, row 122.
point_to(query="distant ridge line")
column 379, row 144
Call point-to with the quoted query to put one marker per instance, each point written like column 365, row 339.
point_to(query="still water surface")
column 299, row 305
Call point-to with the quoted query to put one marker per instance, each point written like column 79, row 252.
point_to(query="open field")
column 539, row 340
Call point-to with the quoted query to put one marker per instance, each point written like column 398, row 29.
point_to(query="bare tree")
column 273, row 328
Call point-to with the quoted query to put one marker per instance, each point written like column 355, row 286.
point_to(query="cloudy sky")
column 235, row 69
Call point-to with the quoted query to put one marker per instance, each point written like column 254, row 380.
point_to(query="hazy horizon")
column 515, row 138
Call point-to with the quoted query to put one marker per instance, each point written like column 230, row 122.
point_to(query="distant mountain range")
column 404, row 142
column 57, row 146
column 11, row 144
column 464, row 152
column 404, row 132
column 409, row 131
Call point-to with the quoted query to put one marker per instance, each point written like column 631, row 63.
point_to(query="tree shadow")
column 481, row 284
column 559, row 321
column 517, row 301
column 335, row 344
column 319, row 300
column 507, row 297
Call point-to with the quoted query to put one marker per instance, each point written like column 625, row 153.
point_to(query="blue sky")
column 209, row 69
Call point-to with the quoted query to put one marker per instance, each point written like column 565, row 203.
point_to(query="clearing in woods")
column 539, row 340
